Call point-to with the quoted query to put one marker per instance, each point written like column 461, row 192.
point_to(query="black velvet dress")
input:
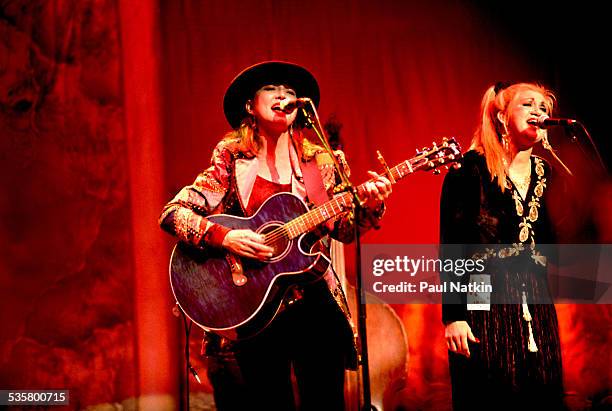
column 504, row 370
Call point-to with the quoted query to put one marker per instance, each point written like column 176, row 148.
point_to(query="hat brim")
column 251, row 79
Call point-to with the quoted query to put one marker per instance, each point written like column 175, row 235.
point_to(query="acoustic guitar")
column 238, row 297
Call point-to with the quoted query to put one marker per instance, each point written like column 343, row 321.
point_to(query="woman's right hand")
column 247, row 243
column 457, row 335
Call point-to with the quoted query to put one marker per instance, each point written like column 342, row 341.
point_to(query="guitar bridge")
column 236, row 269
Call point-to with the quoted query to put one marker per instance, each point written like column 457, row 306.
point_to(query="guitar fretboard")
column 339, row 204
column 428, row 159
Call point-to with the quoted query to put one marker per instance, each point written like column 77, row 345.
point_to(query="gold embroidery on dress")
column 526, row 229
column 539, row 167
column 539, row 188
column 517, row 203
column 526, row 232
column 539, row 258
column 533, row 210
column 511, row 251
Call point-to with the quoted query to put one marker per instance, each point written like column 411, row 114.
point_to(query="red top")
column 262, row 190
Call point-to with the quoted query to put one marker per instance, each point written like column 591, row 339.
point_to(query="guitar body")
column 204, row 287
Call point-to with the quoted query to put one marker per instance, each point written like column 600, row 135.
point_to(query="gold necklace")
column 523, row 184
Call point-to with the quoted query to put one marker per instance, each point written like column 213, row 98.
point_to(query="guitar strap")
column 312, row 172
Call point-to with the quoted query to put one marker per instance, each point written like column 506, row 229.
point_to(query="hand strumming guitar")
column 247, row 243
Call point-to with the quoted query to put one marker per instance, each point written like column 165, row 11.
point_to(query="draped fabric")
column 85, row 302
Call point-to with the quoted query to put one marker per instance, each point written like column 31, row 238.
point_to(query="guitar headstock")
column 446, row 154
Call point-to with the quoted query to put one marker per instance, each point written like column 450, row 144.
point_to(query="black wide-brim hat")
column 251, row 79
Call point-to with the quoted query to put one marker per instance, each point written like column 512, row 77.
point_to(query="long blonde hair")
column 490, row 131
column 246, row 140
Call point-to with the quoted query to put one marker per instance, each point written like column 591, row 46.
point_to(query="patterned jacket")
column 225, row 187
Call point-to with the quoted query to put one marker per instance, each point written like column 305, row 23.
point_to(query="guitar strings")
column 283, row 231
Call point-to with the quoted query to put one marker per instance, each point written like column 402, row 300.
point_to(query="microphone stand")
column 184, row 403
column 361, row 306
column 570, row 130
column 602, row 164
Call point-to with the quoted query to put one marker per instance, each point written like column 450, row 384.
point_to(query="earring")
column 505, row 143
column 504, row 131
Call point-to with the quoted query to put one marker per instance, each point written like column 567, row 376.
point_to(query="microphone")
column 289, row 106
column 544, row 121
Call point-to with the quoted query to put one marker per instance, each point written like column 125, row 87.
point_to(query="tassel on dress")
column 531, row 344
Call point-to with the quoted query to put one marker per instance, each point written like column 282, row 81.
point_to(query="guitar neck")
column 342, row 202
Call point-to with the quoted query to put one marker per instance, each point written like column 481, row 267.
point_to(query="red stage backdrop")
column 108, row 107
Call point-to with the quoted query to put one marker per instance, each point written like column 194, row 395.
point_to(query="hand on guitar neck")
column 376, row 191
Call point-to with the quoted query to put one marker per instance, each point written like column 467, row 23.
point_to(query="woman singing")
column 503, row 356
column 268, row 153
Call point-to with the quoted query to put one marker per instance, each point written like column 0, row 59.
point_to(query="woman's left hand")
column 376, row 191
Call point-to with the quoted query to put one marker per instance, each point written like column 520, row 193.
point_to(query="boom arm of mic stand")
column 602, row 164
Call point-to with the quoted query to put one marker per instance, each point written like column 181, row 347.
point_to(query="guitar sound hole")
column 279, row 242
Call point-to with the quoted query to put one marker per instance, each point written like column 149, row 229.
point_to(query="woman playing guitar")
column 266, row 153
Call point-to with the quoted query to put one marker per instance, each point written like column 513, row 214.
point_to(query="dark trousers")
column 305, row 340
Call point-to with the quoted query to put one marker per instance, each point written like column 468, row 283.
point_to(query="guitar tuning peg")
column 444, row 139
column 457, row 166
column 436, row 171
column 446, row 167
